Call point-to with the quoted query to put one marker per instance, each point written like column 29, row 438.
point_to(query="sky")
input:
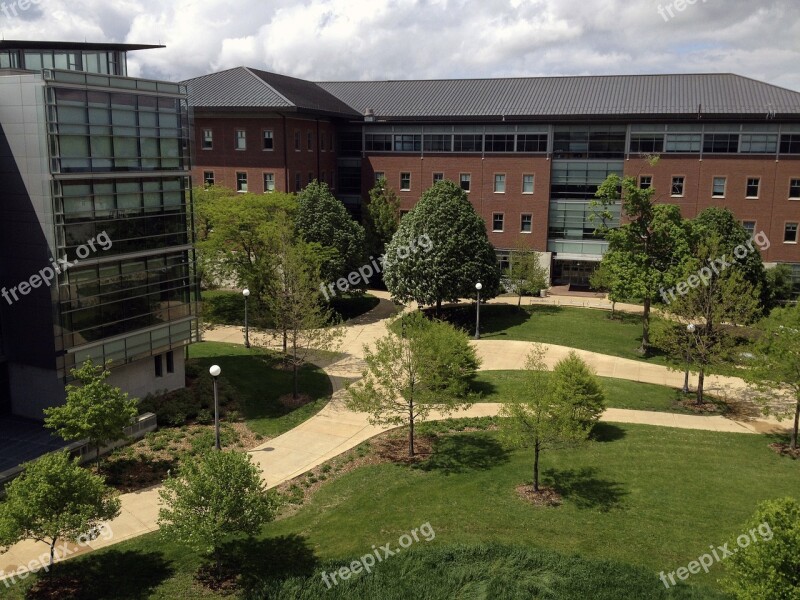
column 327, row 40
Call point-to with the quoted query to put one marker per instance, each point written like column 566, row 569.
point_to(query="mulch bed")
column 544, row 497
column 705, row 408
column 785, row 450
column 290, row 402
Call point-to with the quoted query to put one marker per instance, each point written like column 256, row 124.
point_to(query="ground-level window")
column 208, row 178
column 526, row 223
column 241, row 182
column 269, row 182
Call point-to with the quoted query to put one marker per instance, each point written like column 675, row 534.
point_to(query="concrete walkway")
column 334, row 430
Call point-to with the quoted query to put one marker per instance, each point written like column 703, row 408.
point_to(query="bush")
column 204, row 417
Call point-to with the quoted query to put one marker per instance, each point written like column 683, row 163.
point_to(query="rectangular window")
column 309, row 141
column 532, row 142
column 322, row 141
column 438, row 143
column 269, row 182
column 468, row 142
column 794, row 189
column 753, row 183
column 761, row 143
column 269, row 143
column 526, row 223
column 496, row 142
column 527, row 184
column 645, row 182
column 647, row 143
column 378, row 142
column 718, row 190
column 466, row 181
column 790, row 143
column 241, row 139
column 790, row 233
column 159, row 365
column 722, row 143
column 170, row 362
column 438, row 177
column 750, row 227
column 241, row 182
column 296, row 140
column 208, row 139
column 497, row 222
column 208, row 178
column 405, row 181
column 499, row 183
column 378, row 176
column 298, row 183
column 407, row 143
column 677, row 186
column 683, row 142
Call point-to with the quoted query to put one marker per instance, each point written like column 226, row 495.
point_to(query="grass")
column 261, row 381
column 504, row 386
column 636, row 501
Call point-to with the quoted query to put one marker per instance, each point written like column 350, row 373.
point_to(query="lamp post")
column 246, row 293
column 478, row 287
column 215, row 371
column 690, row 328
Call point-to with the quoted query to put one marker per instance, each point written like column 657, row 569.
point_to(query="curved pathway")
column 335, row 429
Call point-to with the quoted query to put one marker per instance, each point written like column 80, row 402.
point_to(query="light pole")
column 215, row 371
column 478, row 287
column 246, row 293
column 690, row 329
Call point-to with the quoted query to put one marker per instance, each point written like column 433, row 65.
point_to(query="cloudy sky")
column 416, row 39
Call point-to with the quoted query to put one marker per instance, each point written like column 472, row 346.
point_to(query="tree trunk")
column 645, row 327
column 411, row 430
column 97, row 449
column 438, row 307
column 701, row 375
column 536, row 449
column 285, row 343
column 519, row 300
column 613, row 308
column 295, row 387
column 52, row 553
column 796, row 423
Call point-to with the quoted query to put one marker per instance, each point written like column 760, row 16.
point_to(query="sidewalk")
column 335, row 429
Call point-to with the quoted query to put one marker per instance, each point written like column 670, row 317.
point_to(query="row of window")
column 268, row 140
column 269, row 180
column 456, row 142
column 719, row 187
column 789, row 231
column 105, row 63
column 465, row 181
column 525, row 222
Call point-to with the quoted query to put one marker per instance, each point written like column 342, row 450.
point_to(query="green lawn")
column 504, row 386
column 260, row 381
column 645, row 499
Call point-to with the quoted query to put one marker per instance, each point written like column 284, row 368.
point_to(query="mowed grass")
column 261, row 380
column 506, row 386
column 636, row 501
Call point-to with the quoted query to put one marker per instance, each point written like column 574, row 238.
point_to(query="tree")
column 648, row 252
column 324, row 220
column 779, row 284
column 557, row 410
column 381, row 218
column 526, row 274
column 459, row 256
column 768, row 568
column 715, row 303
column 406, row 377
column 213, row 497
column 94, row 410
column 777, row 363
column 603, row 279
column 55, row 499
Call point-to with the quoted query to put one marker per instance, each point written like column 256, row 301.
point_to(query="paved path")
column 335, row 429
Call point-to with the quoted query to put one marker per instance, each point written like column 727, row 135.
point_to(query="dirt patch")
column 290, row 402
column 785, row 450
column 225, row 581
column 544, row 497
column 55, row 588
column 395, row 449
column 707, row 408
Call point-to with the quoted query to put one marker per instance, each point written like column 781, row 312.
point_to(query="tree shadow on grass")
column 464, row 452
column 585, row 489
column 484, row 388
column 112, row 575
column 606, row 432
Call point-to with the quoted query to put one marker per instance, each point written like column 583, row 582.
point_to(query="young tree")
column 777, row 363
column 648, row 251
column 381, row 217
column 324, row 220
column 459, row 256
column 556, row 410
column 603, row 279
column 768, row 568
column 94, row 409
column 213, row 497
column 55, row 499
column 428, row 367
column 526, row 274
column 779, row 285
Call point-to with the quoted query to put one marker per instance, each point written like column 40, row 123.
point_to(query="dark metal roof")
column 305, row 94
column 628, row 95
column 40, row 45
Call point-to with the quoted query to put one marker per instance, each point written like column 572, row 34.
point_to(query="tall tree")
column 381, row 218
column 428, row 367
column 526, row 274
column 556, row 409
column 324, row 220
column 648, row 251
column 55, row 499
column 459, row 256
column 603, row 279
column 94, row 410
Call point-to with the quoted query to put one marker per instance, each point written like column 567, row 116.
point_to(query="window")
column 378, row 176
column 790, row 143
column 683, row 142
column 496, row 142
column 208, row 139
column 159, row 365
column 499, row 183
column 269, row 143
column 721, row 142
column 790, row 233
column 269, row 182
column 170, row 362
column 527, row 184
column 405, row 181
column 718, row 190
column 378, row 142
column 468, row 142
column 208, row 178
column 297, row 182
column 466, row 180
column 526, row 223
column 322, row 177
column 310, row 178
column 645, row 182
column 437, row 143
column 750, row 227
column 677, row 186
column 497, row 222
column 407, row 143
column 758, row 143
column 309, row 141
column 794, row 189
column 241, row 139
column 753, row 183
column 532, row 142
column 296, row 140
column 322, row 142
column 241, row 182
column 647, row 143
column 438, row 177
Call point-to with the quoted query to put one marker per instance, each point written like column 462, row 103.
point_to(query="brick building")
column 530, row 152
